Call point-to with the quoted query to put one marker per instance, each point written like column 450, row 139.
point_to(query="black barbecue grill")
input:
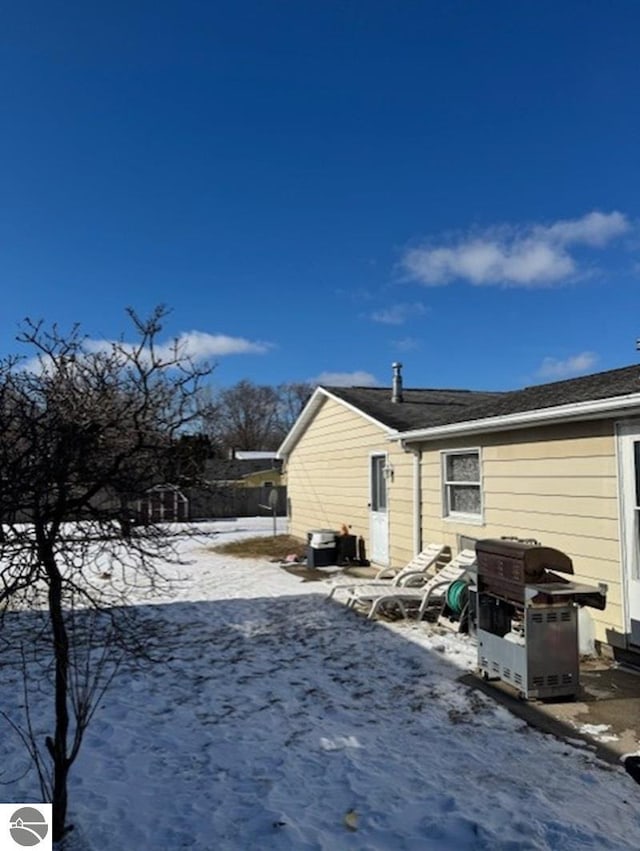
column 527, row 616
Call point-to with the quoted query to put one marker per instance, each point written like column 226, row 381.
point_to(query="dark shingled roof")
column 426, row 408
column 230, row 470
column 587, row 388
column 419, row 408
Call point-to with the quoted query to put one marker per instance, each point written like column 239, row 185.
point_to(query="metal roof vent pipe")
column 396, row 389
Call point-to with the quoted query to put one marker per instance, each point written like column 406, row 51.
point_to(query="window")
column 462, row 487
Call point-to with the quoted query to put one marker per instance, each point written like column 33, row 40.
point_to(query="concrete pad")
column 605, row 714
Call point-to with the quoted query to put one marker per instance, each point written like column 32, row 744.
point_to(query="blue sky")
column 320, row 188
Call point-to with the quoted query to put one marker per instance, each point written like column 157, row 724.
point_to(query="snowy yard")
column 281, row 721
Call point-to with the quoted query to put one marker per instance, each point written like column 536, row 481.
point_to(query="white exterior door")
column 629, row 474
column 378, row 510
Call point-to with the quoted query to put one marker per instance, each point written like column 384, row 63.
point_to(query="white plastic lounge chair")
column 414, row 572
column 419, row 564
column 432, row 592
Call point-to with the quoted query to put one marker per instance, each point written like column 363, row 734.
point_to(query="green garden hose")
column 456, row 596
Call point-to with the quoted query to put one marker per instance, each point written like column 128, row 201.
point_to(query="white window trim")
column 459, row 516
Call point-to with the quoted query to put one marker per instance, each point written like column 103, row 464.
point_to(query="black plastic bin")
column 322, row 548
column 346, row 549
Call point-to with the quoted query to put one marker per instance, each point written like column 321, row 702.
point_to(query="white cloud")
column 359, row 378
column 554, row 368
column 199, row 345
column 536, row 255
column 593, row 229
column 196, row 345
column 398, row 314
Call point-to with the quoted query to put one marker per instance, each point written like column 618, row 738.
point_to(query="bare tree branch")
column 85, row 431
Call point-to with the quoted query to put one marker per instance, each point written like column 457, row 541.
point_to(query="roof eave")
column 591, row 410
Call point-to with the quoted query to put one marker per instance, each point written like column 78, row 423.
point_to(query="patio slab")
column 605, row 714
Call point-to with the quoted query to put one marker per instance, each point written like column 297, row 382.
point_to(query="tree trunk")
column 58, row 745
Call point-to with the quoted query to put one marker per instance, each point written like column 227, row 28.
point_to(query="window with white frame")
column 462, row 485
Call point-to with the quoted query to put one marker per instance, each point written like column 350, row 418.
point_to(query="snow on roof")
column 246, row 455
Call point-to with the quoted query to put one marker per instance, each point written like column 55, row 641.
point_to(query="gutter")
column 591, row 410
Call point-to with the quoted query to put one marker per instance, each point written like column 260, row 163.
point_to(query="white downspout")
column 417, row 495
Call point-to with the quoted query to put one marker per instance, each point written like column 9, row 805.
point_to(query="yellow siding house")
column 558, row 463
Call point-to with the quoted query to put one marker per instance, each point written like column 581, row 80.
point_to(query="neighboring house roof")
column 251, row 455
column 234, row 469
column 430, row 414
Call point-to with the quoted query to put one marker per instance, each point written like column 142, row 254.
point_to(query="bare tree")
column 245, row 417
column 187, row 459
column 293, row 396
column 252, row 416
column 82, row 435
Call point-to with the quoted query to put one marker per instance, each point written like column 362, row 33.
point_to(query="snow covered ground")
column 282, row 721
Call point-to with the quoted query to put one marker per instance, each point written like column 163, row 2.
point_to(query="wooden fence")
column 236, row 502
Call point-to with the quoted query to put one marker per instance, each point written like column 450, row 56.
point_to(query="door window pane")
column 378, row 483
